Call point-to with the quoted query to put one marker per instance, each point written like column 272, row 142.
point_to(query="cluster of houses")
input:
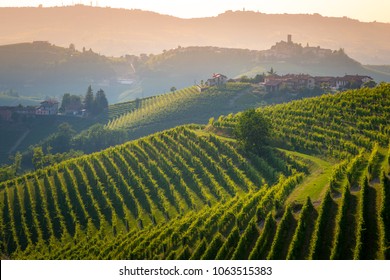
column 46, row 108
column 293, row 82
column 296, row 82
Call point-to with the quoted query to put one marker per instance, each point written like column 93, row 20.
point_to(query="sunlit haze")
column 363, row 10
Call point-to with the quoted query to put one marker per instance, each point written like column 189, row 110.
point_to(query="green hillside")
column 193, row 193
column 179, row 107
column 132, row 119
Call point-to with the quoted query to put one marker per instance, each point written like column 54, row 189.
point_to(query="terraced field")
column 320, row 191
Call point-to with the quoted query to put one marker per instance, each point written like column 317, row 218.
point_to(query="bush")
column 252, row 130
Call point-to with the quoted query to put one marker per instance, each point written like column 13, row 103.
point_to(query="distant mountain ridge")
column 41, row 69
column 118, row 31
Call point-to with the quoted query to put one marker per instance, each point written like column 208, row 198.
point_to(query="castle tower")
column 289, row 40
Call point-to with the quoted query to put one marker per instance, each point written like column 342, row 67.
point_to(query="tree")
column 272, row 71
column 244, row 79
column 259, row 78
column 101, row 102
column 71, row 103
column 369, row 84
column 37, row 158
column 60, row 141
column 65, row 102
column 252, row 130
column 173, row 89
column 17, row 162
column 89, row 99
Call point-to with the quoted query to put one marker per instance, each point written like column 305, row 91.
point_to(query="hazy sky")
column 364, row 10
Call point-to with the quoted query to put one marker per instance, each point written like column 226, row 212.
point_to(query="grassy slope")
column 314, row 185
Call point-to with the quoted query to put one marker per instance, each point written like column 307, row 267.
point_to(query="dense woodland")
column 319, row 189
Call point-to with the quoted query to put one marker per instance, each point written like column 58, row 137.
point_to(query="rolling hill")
column 39, row 69
column 193, row 193
column 116, row 32
column 131, row 120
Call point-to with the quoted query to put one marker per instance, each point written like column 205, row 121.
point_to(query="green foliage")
column 338, row 125
column 338, row 248
column 385, row 213
column 302, row 236
column 361, row 235
column 227, row 249
column 61, row 141
column 247, row 241
column 97, row 138
column 199, row 250
column 213, row 247
column 264, row 242
column 8, row 172
column 252, row 130
column 283, row 235
column 185, row 193
column 100, row 103
column 37, row 159
column 369, row 84
column 319, row 248
column 354, row 169
column 71, row 103
column 141, row 184
column 337, row 175
column 89, row 99
column 374, row 163
column 286, row 187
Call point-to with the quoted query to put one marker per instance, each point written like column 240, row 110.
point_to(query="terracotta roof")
column 217, row 75
column 272, row 83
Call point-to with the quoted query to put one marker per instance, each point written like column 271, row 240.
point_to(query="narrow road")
column 21, row 138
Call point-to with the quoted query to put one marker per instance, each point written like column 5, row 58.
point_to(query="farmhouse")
column 48, row 107
column 351, row 81
column 292, row 82
column 216, row 80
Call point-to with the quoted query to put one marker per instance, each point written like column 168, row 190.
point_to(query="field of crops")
column 188, row 193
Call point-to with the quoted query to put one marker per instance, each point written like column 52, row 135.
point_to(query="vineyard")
column 193, row 193
column 153, row 107
column 186, row 103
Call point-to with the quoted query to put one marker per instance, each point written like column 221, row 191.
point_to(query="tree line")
column 93, row 104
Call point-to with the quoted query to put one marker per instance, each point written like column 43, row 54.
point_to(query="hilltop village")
column 295, row 82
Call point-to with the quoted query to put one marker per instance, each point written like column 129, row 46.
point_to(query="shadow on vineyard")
column 189, row 193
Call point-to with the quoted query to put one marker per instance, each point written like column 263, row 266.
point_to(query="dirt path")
column 21, row 138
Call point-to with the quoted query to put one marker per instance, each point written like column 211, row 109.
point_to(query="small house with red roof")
column 216, row 80
column 48, row 107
